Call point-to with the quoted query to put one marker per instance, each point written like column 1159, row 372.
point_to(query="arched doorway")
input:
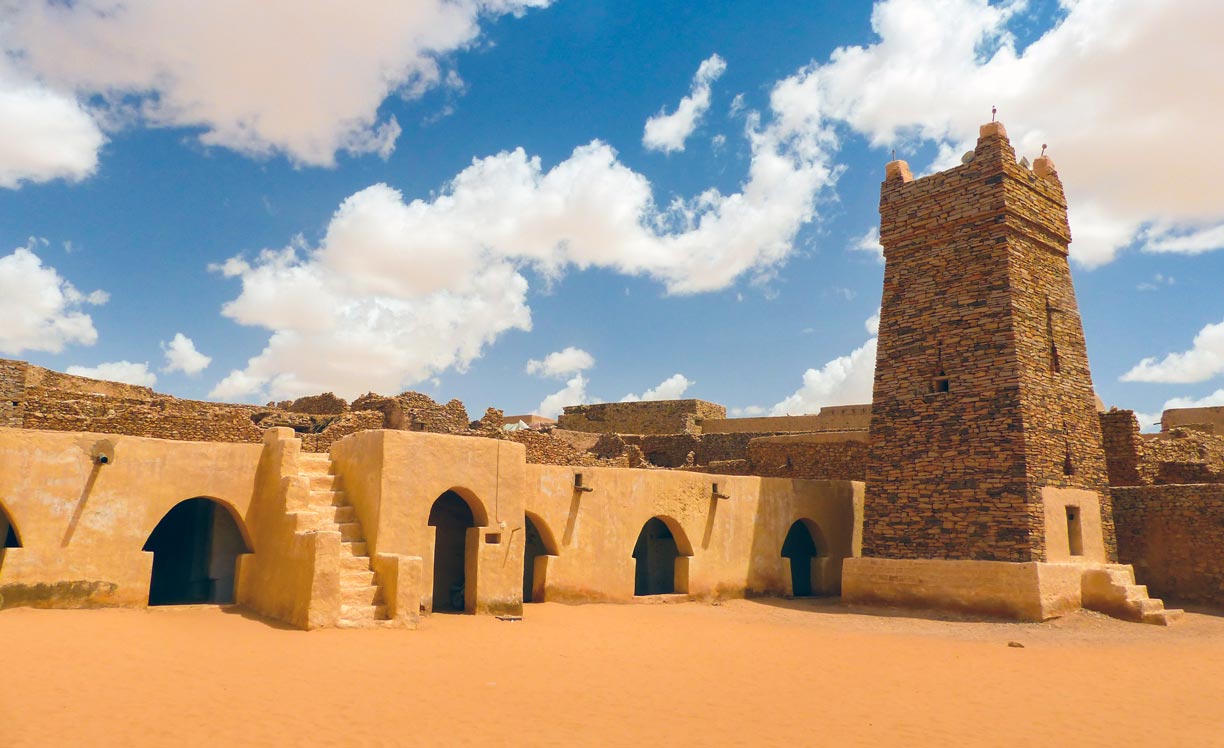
column 450, row 517
column 8, row 535
column 800, row 548
column 656, row 553
column 538, row 546
column 194, row 548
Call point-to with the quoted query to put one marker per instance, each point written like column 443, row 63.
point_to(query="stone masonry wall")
column 1124, row 453
column 12, row 393
column 1174, row 537
column 973, row 412
column 648, row 417
column 803, row 456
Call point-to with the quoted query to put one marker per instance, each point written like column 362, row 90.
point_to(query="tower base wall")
column 1030, row 591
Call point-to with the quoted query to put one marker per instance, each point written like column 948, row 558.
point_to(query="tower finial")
column 993, row 111
column 1043, row 147
column 894, row 155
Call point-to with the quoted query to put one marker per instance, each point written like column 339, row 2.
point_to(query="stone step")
column 336, row 514
column 354, row 563
column 328, row 498
column 350, row 531
column 1149, row 605
column 1135, row 592
column 324, row 482
column 355, row 548
column 358, row 578
column 361, row 614
column 367, row 595
column 1163, row 617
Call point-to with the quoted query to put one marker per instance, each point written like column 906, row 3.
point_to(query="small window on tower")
column 1068, row 466
column 942, row 382
column 1054, row 362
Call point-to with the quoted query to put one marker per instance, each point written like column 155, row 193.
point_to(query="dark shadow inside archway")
column 655, row 554
column 450, row 517
column 539, row 543
column 8, row 533
column 800, row 548
column 194, row 548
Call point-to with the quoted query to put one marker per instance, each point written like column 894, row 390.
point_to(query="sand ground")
column 743, row 673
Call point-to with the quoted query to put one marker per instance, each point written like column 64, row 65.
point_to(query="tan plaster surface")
column 746, row 673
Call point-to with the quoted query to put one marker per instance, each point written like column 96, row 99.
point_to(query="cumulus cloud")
column 561, row 364
column 41, row 310
column 928, row 79
column 117, row 371
column 399, row 290
column 181, row 355
column 278, row 76
column 672, row 388
column 870, row 242
column 667, row 132
column 1204, row 360
column 574, row 393
column 44, row 135
column 846, row 380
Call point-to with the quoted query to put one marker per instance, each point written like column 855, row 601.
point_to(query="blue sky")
column 432, row 195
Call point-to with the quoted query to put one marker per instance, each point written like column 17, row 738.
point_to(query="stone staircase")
column 361, row 596
column 1111, row 589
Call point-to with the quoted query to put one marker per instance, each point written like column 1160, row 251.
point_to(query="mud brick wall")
column 1210, row 419
column 830, row 458
column 1174, row 536
column 977, row 290
column 831, row 418
column 649, row 417
column 12, row 393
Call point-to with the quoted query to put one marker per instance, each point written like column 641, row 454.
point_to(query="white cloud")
column 44, row 135
column 1204, row 360
column 667, row 132
column 1158, row 281
column 672, row 388
column 117, row 371
column 1134, row 167
column 561, row 364
column 41, row 310
column 574, row 393
column 277, row 76
column 400, row 290
column 870, row 242
column 181, row 355
column 748, row 411
column 846, row 380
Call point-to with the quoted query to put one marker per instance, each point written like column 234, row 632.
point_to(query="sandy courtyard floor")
column 744, row 673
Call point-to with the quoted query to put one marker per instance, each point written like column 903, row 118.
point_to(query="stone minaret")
column 985, row 443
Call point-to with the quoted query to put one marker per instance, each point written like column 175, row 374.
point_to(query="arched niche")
column 195, row 546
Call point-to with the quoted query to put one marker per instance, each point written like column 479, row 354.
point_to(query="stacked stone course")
column 652, row 417
column 1174, row 536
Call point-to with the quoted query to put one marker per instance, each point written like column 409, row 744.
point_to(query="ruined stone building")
column 984, row 476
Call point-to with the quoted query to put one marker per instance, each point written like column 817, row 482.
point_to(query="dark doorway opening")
column 533, row 549
column 655, row 553
column 9, row 535
column 800, row 548
column 195, row 547
column 450, row 517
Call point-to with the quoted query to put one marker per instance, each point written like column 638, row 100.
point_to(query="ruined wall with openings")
column 982, row 394
column 1174, row 537
column 830, row 418
column 1180, row 455
column 646, row 417
column 833, row 456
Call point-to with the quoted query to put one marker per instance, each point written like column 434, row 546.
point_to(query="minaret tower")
column 985, row 458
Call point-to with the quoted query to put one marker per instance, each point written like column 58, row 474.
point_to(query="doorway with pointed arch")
column 195, row 549
column 8, row 534
column 803, row 550
column 661, row 559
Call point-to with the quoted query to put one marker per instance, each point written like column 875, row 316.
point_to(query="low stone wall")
column 649, row 417
column 1123, row 445
column 1174, row 537
column 12, row 393
column 832, row 456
